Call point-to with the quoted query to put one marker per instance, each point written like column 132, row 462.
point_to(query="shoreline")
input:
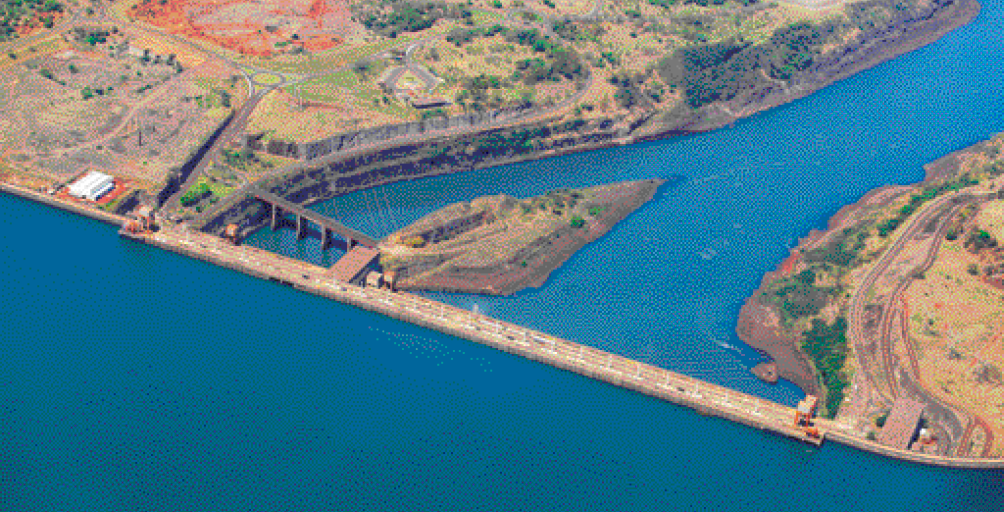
column 833, row 69
column 855, row 57
column 757, row 324
column 917, row 41
column 544, row 255
column 86, row 211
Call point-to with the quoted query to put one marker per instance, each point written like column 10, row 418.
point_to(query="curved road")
column 872, row 368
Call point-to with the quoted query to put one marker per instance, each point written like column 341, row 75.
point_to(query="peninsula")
column 896, row 308
column 499, row 245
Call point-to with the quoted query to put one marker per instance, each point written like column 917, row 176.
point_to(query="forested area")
column 403, row 17
column 719, row 71
column 827, row 346
column 552, row 62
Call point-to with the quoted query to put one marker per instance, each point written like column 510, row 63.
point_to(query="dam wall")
column 703, row 397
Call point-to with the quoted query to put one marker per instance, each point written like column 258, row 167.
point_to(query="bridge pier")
column 328, row 227
column 300, row 229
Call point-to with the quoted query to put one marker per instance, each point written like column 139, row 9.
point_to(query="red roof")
column 901, row 423
column 353, row 263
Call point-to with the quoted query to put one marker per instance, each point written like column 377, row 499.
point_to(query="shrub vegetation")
column 826, row 344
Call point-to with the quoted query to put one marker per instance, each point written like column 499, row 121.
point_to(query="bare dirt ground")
column 304, row 118
column 254, row 27
column 954, row 321
column 84, row 106
column 500, row 245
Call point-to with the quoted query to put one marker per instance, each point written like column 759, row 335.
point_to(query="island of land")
column 186, row 120
column 897, row 307
column 499, row 244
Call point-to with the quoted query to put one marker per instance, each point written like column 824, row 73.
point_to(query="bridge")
column 327, row 225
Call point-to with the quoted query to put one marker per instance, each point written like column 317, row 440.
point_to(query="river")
column 137, row 379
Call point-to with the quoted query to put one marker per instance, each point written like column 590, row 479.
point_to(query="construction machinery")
column 803, row 416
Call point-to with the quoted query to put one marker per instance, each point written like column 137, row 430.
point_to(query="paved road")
column 405, row 139
column 256, row 93
column 431, row 81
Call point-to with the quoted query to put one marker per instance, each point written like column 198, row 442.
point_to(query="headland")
column 891, row 309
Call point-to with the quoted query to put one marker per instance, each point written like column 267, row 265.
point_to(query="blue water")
column 135, row 379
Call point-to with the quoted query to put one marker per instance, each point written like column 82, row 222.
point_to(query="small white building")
column 135, row 51
column 92, row 186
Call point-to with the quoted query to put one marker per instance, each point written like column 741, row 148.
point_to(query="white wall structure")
column 92, row 186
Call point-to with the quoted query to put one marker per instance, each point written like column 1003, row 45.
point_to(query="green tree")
column 827, row 345
column 881, row 419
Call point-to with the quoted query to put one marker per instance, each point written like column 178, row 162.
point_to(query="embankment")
column 340, row 173
column 704, row 397
column 759, row 324
column 908, row 30
column 313, row 182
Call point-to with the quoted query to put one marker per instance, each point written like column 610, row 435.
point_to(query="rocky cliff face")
column 924, row 22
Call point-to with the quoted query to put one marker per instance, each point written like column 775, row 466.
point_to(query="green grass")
column 203, row 189
column 218, row 189
column 486, row 17
column 363, row 94
column 267, row 78
column 329, row 59
column 110, row 207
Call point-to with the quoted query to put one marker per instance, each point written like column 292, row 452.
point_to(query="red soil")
column 788, row 265
column 36, row 25
column 317, row 23
column 759, row 320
